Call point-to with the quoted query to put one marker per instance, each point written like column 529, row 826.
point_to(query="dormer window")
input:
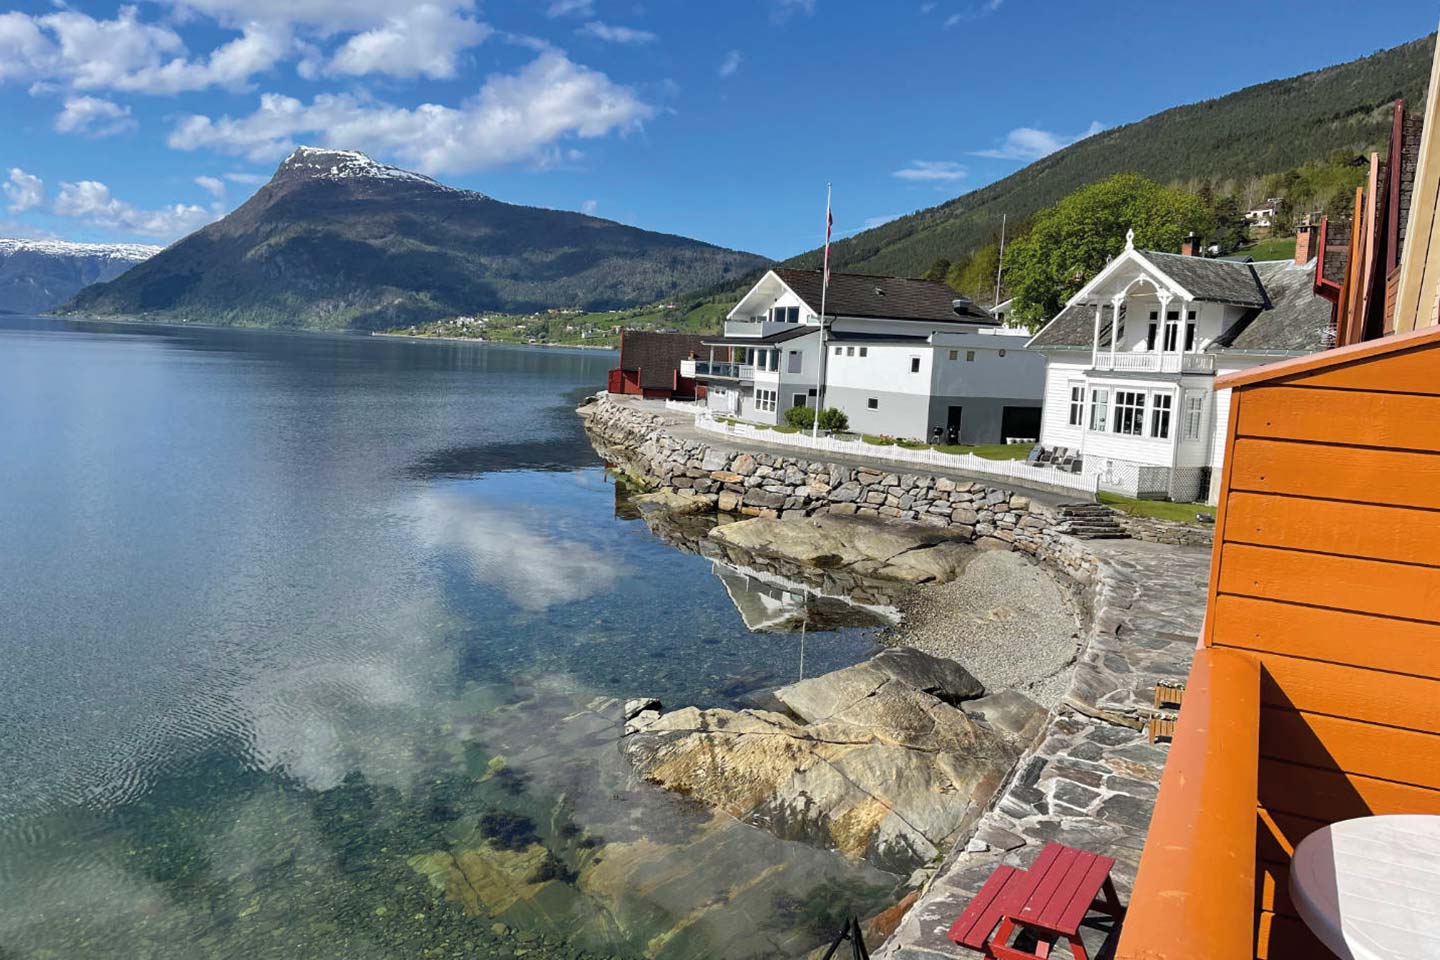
column 784, row 314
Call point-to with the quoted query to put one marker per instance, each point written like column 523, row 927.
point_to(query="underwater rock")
column 679, row 504
column 881, row 769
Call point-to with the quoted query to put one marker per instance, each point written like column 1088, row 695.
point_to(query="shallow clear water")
column 281, row 613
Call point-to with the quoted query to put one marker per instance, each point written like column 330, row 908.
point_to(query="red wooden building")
column 650, row 365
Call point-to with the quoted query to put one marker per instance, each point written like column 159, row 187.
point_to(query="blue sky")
column 717, row 120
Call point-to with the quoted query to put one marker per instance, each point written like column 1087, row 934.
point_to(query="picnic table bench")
column 1048, row 901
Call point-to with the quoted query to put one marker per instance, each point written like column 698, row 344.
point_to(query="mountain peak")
column 321, row 163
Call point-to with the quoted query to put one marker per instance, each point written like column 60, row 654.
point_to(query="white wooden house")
column 900, row 357
column 1132, row 359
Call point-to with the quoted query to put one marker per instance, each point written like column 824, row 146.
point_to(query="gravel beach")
column 1005, row 619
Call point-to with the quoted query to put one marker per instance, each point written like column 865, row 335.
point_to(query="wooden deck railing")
column 1194, row 896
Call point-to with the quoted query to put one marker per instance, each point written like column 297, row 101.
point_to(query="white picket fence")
column 1016, row 470
column 686, row 406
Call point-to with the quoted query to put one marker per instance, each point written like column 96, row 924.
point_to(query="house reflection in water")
column 769, row 603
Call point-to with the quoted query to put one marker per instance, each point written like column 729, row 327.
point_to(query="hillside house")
column 901, row 358
column 1263, row 214
column 1131, row 363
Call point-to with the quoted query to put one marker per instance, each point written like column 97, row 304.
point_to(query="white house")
column 1263, row 214
column 900, row 357
column 1132, row 359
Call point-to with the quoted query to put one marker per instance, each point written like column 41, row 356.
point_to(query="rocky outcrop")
column 872, row 765
column 880, row 549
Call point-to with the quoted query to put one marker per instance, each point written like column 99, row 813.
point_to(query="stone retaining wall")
column 779, row 485
column 1166, row 531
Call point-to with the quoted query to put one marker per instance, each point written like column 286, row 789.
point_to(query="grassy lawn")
column 1160, row 509
column 992, row 451
column 1275, row 248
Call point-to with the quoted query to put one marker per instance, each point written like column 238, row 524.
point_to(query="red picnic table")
column 1049, row 901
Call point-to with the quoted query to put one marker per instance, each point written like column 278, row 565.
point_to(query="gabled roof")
column 656, row 355
column 779, row 337
column 1283, row 316
column 881, row 298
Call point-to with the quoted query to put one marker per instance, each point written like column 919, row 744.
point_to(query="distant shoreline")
column 501, row 343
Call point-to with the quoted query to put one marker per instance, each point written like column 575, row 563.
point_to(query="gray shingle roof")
column 780, row 337
column 1289, row 317
column 881, row 298
column 656, row 355
column 1219, row 281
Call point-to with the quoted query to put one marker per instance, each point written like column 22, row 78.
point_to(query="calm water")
column 282, row 616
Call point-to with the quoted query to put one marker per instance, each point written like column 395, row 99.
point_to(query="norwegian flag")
column 829, row 223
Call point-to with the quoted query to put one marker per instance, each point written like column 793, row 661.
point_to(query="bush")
column 800, row 417
column 833, row 419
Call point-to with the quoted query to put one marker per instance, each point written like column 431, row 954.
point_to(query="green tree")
column 937, row 270
column 1070, row 242
column 975, row 275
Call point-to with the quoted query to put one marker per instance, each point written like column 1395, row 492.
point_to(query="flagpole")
column 1000, row 263
column 824, row 290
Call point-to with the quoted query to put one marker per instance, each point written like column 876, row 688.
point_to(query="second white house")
column 900, row 357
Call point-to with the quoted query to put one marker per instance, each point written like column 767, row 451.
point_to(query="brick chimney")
column 1191, row 246
column 1304, row 237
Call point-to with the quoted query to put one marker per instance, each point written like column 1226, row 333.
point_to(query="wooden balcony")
column 1316, row 695
column 1154, row 362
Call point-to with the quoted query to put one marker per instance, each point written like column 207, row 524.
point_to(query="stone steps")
column 1090, row 521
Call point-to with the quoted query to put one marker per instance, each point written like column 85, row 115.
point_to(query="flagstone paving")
column 1091, row 782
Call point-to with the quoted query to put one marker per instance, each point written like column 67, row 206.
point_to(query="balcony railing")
column 1155, row 362
column 717, row 369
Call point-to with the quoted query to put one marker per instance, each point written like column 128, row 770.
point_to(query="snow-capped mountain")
column 38, row 275
column 336, row 240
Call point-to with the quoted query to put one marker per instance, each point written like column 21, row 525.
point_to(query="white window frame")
column 1162, row 410
column 765, row 401
column 796, row 362
column 1077, row 403
column 1194, row 414
column 1099, row 409
column 1128, row 414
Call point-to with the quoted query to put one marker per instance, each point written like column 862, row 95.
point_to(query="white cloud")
column 783, row 10
column 731, row 63
column 212, row 185
column 613, row 34
column 91, row 202
column 872, row 222
column 23, row 191
column 1030, row 143
column 93, row 117
column 931, row 171
column 926, row 8
column 514, row 117
column 589, row 206
column 566, row 8
column 423, row 42
column 254, row 179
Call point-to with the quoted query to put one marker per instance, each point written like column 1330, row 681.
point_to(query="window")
column 1099, row 404
column 1194, row 414
column 785, row 314
column 795, row 361
column 1002, row 352
column 864, row 351
column 969, row 355
column 798, row 400
column 914, row 364
column 1150, row 336
column 873, row 403
column 1130, row 412
column 1160, row 404
column 1190, row 336
column 1077, row 404
column 954, row 354
column 765, row 400
column 813, row 391
column 849, row 351
column 837, row 350
column 1172, row 328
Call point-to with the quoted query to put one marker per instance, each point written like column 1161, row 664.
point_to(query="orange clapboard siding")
column 1349, row 583
column 1333, row 795
column 1363, row 475
column 1335, row 526
column 1402, row 373
column 1405, row 756
column 1342, row 690
column 1403, row 646
column 1335, row 417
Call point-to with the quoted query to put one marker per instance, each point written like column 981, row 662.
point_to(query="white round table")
column 1369, row 889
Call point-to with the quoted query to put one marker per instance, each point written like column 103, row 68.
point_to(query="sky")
column 717, row 120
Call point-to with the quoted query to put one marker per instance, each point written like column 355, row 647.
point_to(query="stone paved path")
column 1091, row 781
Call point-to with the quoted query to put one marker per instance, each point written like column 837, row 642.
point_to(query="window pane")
column 864, row 351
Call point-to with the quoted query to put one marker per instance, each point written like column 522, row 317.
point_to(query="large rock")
column 882, row 770
column 834, row 694
column 679, row 504
column 911, row 553
column 1011, row 714
column 938, row 676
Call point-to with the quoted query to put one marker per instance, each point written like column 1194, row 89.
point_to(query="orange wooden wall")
column 1327, row 569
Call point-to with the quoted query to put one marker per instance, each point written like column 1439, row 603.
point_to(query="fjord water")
column 283, row 618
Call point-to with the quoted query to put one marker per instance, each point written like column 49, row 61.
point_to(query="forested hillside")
column 1258, row 131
